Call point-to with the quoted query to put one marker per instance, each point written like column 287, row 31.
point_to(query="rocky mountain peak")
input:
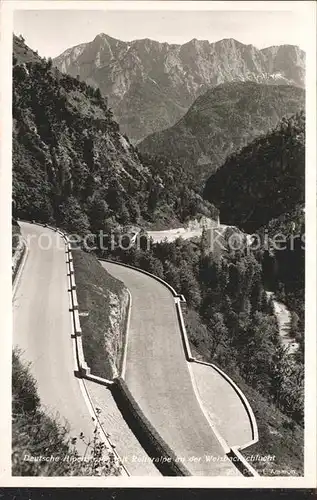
column 228, row 42
column 152, row 84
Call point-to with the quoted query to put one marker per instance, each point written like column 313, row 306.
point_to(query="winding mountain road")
column 42, row 329
column 160, row 378
column 157, row 372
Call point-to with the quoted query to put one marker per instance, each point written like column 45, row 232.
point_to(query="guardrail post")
column 71, row 268
column 82, row 365
column 72, row 282
column 77, row 327
column 74, row 301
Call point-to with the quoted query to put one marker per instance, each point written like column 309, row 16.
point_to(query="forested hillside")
column 71, row 165
column 262, row 189
column 264, row 180
column 220, row 122
column 288, row 265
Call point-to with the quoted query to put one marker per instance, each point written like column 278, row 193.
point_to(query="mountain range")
column 223, row 120
column 150, row 85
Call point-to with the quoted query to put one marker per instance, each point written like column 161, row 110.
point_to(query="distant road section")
column 160, row 379
column 42, row 328
column 194, row 229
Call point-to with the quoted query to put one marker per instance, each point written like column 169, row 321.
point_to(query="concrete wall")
column 17, row 259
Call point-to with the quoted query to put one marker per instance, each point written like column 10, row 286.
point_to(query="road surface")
column 223, row 405
column 42, row 329
column 160, row 379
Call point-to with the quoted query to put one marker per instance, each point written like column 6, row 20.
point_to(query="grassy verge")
column 37, row 436
column 102, row 307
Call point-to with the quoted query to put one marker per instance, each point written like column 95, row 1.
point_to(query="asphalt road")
column 159, row 376
column 223, row 405
column 42, row 329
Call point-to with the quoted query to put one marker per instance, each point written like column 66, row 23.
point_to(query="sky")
column 53, row 31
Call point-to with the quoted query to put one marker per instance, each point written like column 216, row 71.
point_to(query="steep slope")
column 288, row 277
column 264, row 180
column 71, row 165
column 72, row 149
column 151, row 84
column 262, row 190
column 221, row 121
column 22, row 53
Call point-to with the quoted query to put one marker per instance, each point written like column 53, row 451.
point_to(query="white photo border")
column 310, row 465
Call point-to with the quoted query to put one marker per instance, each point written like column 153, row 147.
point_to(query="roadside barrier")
column 245, row 402
column 240, row 462
column 163, row 457
column 74, row 300
column 82, row 369
column 18, row 260
column 123, row 360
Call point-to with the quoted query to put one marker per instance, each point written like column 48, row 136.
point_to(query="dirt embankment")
column 103, row 302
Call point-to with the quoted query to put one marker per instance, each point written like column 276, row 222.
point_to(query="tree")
column 133, row 209
column 97, row 211
column 73, row 217
column 98, row 94
column 218, row 330
column 204, row 243
column 189, row 285
column 258, row 351
column 171, row 273
column 156, row 267
column 288, row 384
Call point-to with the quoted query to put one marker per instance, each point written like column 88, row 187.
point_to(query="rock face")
column 151, row 84
column 223, row 120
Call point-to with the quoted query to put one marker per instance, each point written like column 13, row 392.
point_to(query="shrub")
column 35, row 433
